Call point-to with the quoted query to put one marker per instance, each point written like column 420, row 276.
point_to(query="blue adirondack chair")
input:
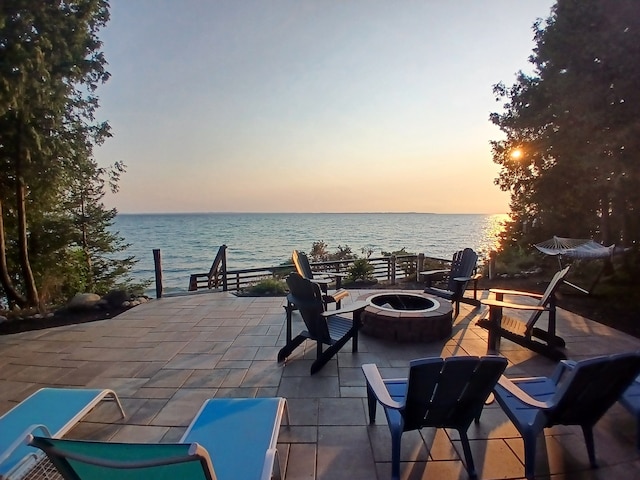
column 443, row 393
column 578, row 396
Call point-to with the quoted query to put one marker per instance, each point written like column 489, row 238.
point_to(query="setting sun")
column 516, row 154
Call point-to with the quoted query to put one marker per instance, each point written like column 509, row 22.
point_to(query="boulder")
column 83, row 301
column 116, row 298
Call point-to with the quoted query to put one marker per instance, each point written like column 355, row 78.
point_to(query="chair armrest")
column 515, row 292
column 521, row 395
column 377, row 386
column 351, row 308
column 515, row 306
column 562, row 367
column 462, row 279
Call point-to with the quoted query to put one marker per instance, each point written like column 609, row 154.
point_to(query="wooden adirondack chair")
column 303, row 267
column 326, row 328
column 442, row 393
column 463, row 266
column 525, row 333
column 577, row 396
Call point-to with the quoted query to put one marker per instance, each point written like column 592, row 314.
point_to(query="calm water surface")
column 189, row 242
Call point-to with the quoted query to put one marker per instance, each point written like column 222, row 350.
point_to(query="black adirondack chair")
column 303, row 267
column 571, row 396
column 463, row 266
column 442, row 393
column 330, row 328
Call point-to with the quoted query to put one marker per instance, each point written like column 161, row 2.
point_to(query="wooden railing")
column 387, row 268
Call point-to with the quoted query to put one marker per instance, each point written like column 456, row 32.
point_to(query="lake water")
column 189, row 242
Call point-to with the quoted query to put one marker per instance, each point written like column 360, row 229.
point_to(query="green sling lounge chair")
column 228, row 439
column 442, row 393
column 50, row 411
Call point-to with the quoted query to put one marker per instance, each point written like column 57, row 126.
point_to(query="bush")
column 360, row 270
column 269, row 286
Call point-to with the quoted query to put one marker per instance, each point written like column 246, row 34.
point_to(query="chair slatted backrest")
column 307, row 297
column 301, row 262
column 592, row 387
column 554, row 284
column 463, row 264
column 449, row 392
column 87, row 460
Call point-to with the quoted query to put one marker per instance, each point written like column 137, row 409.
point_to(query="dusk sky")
column 309, row 106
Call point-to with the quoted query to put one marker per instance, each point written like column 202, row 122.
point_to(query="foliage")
column 269, row 286
column 574, row 123
column 361, row 269
column 320, row 253
column 54, row 229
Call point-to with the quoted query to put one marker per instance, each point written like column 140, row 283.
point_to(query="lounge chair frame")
column 50, row 411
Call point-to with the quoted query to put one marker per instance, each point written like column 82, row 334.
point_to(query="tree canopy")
column 54, row 229
column 571, row 153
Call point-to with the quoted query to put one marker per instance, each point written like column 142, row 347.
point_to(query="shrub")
column 360, row 270
column 269, row 286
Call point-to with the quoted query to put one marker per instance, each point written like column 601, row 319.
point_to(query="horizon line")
column 307, row 213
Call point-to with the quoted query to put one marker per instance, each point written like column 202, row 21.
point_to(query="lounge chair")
column 525, row 333
column 442, row 393
column 462, row 271
column 579, row 396
column 303, row 267
column 228, row 439
column 50, row 411
column 325, row 327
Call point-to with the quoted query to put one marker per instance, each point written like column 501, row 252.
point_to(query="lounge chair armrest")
column 20, row 440
column 515, row 306
column 521, row 395
column 515, row 292
column 352, row 307
column 377, row 386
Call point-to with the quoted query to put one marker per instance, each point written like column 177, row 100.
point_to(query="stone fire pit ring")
column 407, row 317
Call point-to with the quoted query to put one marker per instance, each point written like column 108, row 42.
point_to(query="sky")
column 309, row 106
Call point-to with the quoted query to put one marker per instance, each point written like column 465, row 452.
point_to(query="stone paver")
column 166, row 357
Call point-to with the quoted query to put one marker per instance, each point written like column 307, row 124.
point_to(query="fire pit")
column 407, row 317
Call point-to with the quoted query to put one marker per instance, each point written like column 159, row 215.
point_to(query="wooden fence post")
column 420, row 266
column 492, row 264
column 157, row 261
column 392, row 261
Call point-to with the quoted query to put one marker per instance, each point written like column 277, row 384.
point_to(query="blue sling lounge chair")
column 50, row 411
column 230, row 438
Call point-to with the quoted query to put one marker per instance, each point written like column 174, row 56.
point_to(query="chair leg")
column 471, row 468
column 372, row 403
column 587, row 430
column 638, row 430
column 396, row 438
column 290, row 347
column 529, row 453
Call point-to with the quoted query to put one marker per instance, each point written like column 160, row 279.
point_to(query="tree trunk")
column 13, row 296
column 22, row 158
